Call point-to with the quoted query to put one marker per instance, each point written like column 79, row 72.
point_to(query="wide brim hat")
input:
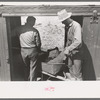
column 63, row 15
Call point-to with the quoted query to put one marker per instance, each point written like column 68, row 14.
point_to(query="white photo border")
column 84, row 89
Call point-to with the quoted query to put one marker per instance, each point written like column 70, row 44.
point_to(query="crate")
column 52, row 68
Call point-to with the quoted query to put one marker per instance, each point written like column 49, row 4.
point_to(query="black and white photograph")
column 50, row 42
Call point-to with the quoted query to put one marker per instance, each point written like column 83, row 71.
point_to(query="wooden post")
column 4, row 55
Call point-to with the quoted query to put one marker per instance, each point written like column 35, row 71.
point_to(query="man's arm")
column 77, row 39
column 38, row 40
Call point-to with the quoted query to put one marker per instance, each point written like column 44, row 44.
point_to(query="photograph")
column 48, row 43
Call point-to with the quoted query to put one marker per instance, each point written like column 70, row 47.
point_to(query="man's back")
column 28, row 36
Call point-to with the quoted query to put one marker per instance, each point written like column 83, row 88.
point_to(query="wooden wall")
column 91, row 36
column 4, row 55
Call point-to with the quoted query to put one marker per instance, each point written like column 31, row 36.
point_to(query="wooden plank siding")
column 47, row 10
column 91, row 36
column 5, row 66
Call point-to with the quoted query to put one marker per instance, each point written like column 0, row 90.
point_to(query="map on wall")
column 51, row 31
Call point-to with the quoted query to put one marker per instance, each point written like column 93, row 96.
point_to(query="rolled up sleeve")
column 38, row 40
column 77, row 38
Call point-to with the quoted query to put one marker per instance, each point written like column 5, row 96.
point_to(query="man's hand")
column 66, row 51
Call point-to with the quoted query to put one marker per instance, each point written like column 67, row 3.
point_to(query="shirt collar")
column 71, row 24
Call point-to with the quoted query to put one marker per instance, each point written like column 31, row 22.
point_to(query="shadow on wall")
column 17, row 71
column 88, row 67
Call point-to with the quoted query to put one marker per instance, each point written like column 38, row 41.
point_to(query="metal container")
column 52, row 68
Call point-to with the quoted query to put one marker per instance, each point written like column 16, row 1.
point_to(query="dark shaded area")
column 79, row 19
column 16, row 63
column 87, row 66
column 45, row 56
column 18, row 67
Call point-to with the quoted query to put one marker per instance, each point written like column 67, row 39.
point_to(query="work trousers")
column 75, row 65
column 30, row 58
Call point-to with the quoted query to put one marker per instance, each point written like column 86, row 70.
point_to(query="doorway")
column 16, row 63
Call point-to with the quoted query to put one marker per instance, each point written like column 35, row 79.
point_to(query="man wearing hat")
column 30, row 43
column 73, row 44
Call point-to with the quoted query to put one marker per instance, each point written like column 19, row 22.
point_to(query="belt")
column 28, row 47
